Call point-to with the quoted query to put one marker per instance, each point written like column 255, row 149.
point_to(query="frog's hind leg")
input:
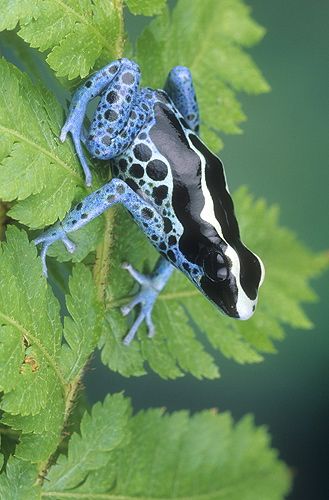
column 179, row 86
column 97, row 84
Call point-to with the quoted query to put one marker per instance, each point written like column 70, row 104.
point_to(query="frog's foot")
column 56, row 233
column 146, row 297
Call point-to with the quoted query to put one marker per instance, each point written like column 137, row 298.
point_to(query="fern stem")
column 4, row 207
column 102, row 262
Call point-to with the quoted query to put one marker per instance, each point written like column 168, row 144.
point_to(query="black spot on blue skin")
column 147, row 213
column 132, row 184
column 111, row 198
column 141, row 182
column 171, row 255
column 113, row 69
column 110, row 115
column 91, row 137
column 109, row 130
column 73, row 221
column 84, row 216
column 142, row 152
column 115, row 171
column 159, row 194
column 120, row 189
column 142, row 136
column 157, row 170
column 145, row 106
column 172, row 240
column 154, row 237
column 123, row 164
column 123, row 134
column 99, row 117
column 112, row 97
column 97, row 151
column 106, row 140
column 79, row 206
column 133, row 115
column 128, row 78
column 186, row 267
column 136, row 170
column 167, row 225
column 162, row 246
column 88, row 84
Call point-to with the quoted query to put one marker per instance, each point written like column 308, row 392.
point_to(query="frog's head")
column 231, row 279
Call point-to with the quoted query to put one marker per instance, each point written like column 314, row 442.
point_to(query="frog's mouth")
column 223, row 294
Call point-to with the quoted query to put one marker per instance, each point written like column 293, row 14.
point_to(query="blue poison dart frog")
column 172, row 185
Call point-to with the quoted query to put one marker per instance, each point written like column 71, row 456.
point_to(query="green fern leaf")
column 35, row 168
column 208, row 37
column 78, row 34
column 19, row 481
column 145, row 7
column 37, row 336
column 167, row 456
column 181, row 310
column 82, row 328
column 101, row 432
column 37, row 372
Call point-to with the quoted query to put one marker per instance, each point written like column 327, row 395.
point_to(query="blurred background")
column 283, row 157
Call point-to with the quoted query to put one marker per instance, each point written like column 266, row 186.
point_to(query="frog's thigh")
column 179, row 86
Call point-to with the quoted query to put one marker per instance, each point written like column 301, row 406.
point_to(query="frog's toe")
column 133, row 330
column 142, row 279
column 126, row 309
column 49, row 237
column 150, row 324
column 146, row 298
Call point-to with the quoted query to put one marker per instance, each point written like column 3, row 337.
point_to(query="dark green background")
column 282, row 156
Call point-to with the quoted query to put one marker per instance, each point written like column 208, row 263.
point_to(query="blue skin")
column 123, row 112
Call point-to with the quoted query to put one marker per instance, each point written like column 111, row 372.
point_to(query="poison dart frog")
column 173, row 186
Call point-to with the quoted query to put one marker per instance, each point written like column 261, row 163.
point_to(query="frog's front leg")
column 114, row 192
column 150, row 287
column 98, row 84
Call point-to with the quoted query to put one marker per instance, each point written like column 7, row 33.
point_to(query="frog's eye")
column 215, row 267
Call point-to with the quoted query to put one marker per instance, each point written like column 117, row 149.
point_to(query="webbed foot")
column 56, row 233
column 146, row 297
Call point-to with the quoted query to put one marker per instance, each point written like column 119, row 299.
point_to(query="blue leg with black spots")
column 151, row 286
column 179, row 86
column 114, row 192
column 94, row 86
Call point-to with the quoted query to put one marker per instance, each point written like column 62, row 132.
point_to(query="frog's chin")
column 245, row 311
